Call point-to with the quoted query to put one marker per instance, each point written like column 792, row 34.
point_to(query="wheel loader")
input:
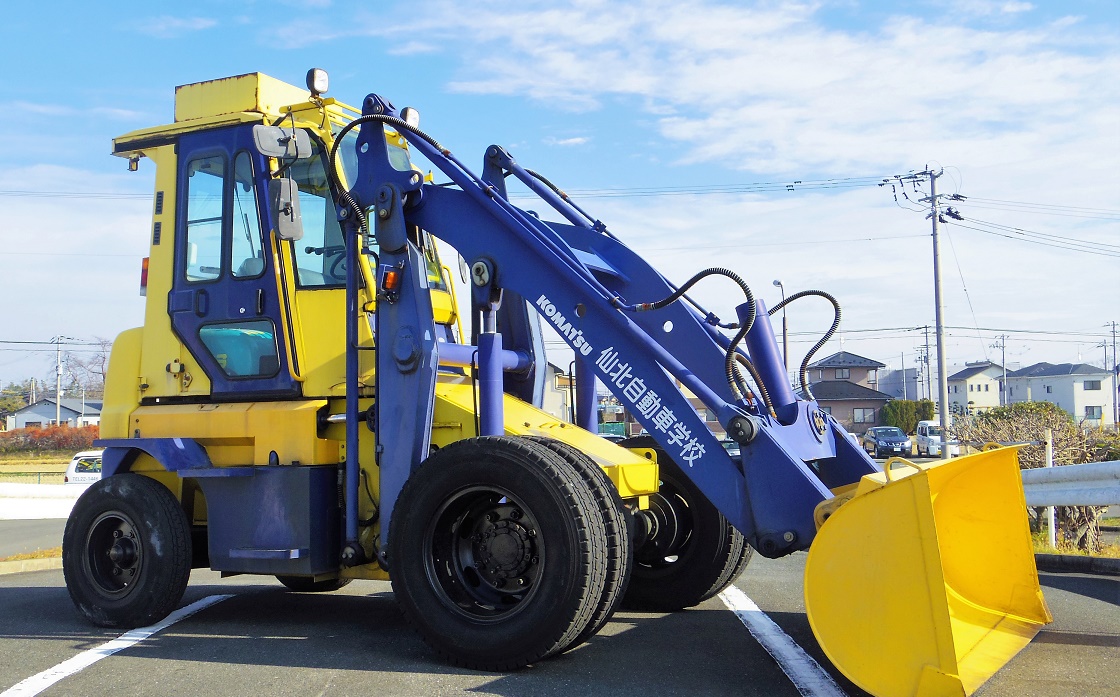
column 305, row 401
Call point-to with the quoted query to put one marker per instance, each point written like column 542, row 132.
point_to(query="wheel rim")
column 484, row 554
column 671, row 520
column 114, row 554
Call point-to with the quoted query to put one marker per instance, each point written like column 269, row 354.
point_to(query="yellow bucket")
column 924, row 583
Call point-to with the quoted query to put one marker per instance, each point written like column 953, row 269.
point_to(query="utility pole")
column 1002, row 346
column 58, row 377
column 1115, row 391
column 939, row 329
column 902, row 355
column 929, row 373
column 785, row 327
column 58, row 381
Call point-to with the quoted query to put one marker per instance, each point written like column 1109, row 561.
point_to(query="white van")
column 84, row 469
column 928, row 437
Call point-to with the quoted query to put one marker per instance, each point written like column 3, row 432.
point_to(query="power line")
column 1043, row 235
column 1103, row 253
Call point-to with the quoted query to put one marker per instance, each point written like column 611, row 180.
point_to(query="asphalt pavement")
column 266, row 640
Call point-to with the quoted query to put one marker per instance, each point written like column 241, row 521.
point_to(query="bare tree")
column 1027, row 422
column 89, row 372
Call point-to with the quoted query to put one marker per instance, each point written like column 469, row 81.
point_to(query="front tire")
column 497, row 553
column 126, row 552
column 616, row 525
column 692, row 552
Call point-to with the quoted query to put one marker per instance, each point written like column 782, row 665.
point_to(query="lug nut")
column 515, row 514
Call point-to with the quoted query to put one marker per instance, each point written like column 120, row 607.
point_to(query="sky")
column 746, row 135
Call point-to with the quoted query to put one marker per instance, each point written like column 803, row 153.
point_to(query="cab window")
column 248, row 247
column 205, row 202
column 320, row 257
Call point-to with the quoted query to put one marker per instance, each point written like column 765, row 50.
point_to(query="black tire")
column 735, row 570
column 616, row 525
column 497, row 553
column 304, row 584
column 126, row 552
column 701, row 555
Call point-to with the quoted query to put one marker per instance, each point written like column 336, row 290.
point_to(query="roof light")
column 317, row 82
column 411, row 116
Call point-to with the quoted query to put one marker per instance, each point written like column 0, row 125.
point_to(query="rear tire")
column 126, row 552
column 616, row 525
column 694, row 553
column 497, row 553
column 303, row 584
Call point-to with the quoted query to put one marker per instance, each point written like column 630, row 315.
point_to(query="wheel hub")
column 505, row 551
column 667, row 527
column 123, row 553
column 113, row 553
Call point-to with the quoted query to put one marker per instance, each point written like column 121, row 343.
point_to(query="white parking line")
column 806, row 674
column 37, row 683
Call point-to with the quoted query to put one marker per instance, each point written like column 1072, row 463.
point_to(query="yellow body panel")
column 926, row 584
column 243, row 433
column 634, row 475
column 122, row 388
column 255, row 92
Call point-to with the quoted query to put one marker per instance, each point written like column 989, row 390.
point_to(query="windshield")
column 320, row 256
column 890, row 433
column 934, row 430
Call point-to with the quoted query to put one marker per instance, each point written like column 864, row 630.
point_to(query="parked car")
column 928, row 437
column 885, row 441
column 732, row 448
column 84, row 468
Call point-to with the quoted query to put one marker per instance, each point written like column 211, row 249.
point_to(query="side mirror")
column 283, row 197
column 280, row 142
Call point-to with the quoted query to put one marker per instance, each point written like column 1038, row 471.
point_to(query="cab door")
column 224, row 304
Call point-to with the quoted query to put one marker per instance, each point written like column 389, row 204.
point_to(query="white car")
column 84, row 469
column 928, row 438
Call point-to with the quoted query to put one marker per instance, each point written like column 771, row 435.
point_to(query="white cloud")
column 566, row 142
column 166, row 26
column 412, row 48
column 1026, row 112
column 988, row 8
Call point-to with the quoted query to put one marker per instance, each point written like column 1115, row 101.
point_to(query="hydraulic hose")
column 734, row 379
column 803, row 374
column 384, row 119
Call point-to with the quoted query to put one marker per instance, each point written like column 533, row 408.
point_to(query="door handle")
column 260, row 301
column 202, row 303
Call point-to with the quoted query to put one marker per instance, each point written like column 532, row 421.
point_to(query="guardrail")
column 1090, row 484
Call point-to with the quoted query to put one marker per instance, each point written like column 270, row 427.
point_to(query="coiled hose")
column 803, row 374
column 734, row 377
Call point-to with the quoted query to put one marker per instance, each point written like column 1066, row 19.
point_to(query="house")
column 976, row 388
column 559, row 392
column 72, row 412
column 1083, row 390
column 845, row 386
